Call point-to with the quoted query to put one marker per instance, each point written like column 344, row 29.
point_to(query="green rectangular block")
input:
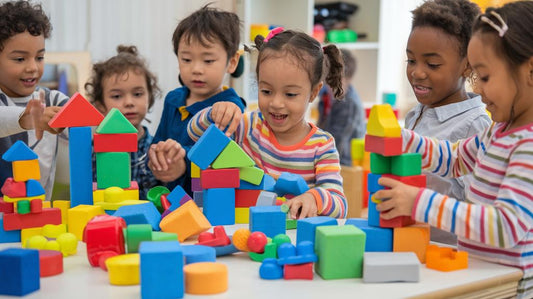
column 380, row 164
column 113, row 170
column 252, row 175
column 406, row 164
column 340, row 251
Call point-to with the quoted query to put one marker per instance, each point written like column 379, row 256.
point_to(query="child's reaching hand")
column 396, row 201
column 167, row 160
column 226, row 114
column 36, row 116
column 302, row 206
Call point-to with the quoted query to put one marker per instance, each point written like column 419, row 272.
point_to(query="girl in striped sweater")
column 495, row 222
column 290, row 69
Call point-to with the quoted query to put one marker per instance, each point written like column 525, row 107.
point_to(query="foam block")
column 23, row 275
column 219, row 206
column 77, row 112
column 20, row 221
column 145, row 213
column 208, row 147
column 378, row 239
column 115, row 123
column 220, row 178
column 232, row 156
column 123, row 142
column 185, row 221
column 159, row 258
column 81, row 167
column 390, row 267
column 305, row 228
column 19, row 151
column 386, row 146
column 268, row 219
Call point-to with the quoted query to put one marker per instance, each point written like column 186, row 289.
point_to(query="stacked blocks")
column 378, row 239
column 164, row 258
column 23, row 275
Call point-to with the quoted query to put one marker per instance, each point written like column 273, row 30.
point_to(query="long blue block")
column 81, row 172
column 23, row 275
column 378, row 239
column 145, row 213
column 208, row 147
column 270, row 220
column 10, row 236
column 176, row 196
column 161, row 270
column 219, row 206
column 373, row 214
column 372, row 183
column 306, row 228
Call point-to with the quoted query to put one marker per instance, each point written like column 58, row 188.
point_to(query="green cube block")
column 340, row 251
column 113, row 170
column 380, row 164
column 406, row 164
column 23, row 206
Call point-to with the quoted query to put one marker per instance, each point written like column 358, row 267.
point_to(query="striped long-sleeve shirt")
column 495, row 222
column 315, row 158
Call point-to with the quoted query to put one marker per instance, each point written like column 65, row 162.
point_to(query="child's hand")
column 302, row 206
column 396, row 201
column 167, row 160
column 226, row 114
column 36, row 116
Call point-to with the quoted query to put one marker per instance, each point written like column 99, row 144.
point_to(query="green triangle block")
column 115, row 123
column 232, row 156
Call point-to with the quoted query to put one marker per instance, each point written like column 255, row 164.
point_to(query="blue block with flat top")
column 23, row 275
column 378, row 239
column 161, row 269
column 10, row 236
column 267, row 184
column 219, row 206
column 145, row 213
column 198, row 254
column 270, row 220
column 373, row 213
column 208, row 147
column 372, row 183
column 290, row 183
column 305, row 228
column 81, row 166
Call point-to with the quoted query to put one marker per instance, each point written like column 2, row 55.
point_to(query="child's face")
column 202, row 68
column 21, row 64
column 128, row 93
column 285, row 92
column 434, row 67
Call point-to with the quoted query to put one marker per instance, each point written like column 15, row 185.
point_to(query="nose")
column 418, row 72
column 197, row 68
column 277, row 102
column 31, row 66
column 128, row 100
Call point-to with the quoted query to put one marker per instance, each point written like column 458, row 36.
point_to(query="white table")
column 480, row 280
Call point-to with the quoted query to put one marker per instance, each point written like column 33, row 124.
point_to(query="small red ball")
column 257, row 242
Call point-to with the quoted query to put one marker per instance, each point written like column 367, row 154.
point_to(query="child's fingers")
column 152, row 155
column 385, row 205
column 388, row 182
column 389, row 214
column 383, row 194
column 36, row 112
column 294, row 208
column 234, row 123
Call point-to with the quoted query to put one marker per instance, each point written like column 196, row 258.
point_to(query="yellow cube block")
column 79, row 216
column 63, row 205
column 242, row 215
column 25, row 170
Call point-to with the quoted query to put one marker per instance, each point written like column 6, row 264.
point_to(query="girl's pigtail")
column 335, row 69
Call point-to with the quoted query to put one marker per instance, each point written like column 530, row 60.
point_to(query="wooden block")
column 220, row 178
column 25, row 170
column 77, row 112
column 352, row 178
column 382, row 122
column 208, row 147
column 115, row 123
column 205, row 278
column 113, row 170
column 124, row 142
column 406, row 164
column 79, row 216
column 232, row 156
column 446, row 259
column 185, row 221
column 386, row 146
column 19, row 151
column 19, row 221
column 414, row 238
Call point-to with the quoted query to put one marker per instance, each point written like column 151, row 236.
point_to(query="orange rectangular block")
column 185, row 221
column 386, row 146
column 414, row 238
column 125, row 142
column 25, row 170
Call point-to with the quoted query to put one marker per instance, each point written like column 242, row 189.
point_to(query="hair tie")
column 273, row 33
column 502, row 29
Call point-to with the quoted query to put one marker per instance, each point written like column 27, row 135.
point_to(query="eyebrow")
column 25, row 52
column 432, row 54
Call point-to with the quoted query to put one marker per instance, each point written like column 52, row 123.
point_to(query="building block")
column 303, row 253
column 112, row 195
column 298, row 271
column 36, row 206
column 373, row 213
column 123, row 142
column 414, row 238
column 446, row 259
column 17, row 199
column 33, row 188
column 205, row 278
column 19, row 151
column 208, row 147
column 268, row 219
column 390, row 267
column 185, row 221
column 340, row 251
column 253, row 175
column 77, row 112
column 196, row 184
column 123, row 269
column 162, row 236
column 14, row 189
column 64, row 206
column 267, row 184
column 406, row 164
column 145, row 213
column 198, row 197
column 50, row 263
column 47, row 204
column 290, row 183
column 352, row 177
column 198, row 254
column 306, row 228
column 232, row 156
column 270, row 269
column 115, row 123
column 372, row 182
column 386, row 146
column 382, row 122
column 358, row 151
column 6, row 207
column 104, row 238
column 225, row 250
column 380, row 164
column 23, row 207
column 220, row 178
column 19, row 221
column 291, row 224
column 53, row 231
column 266, row 198
column 154, row 195
column 413, row 180
column 219, row 206
column 242, row 215
column 25, row 170
column 217, row 238
column 113, row 170
column 81, row 167
column 270, row 251
column 396, row 222
column 161, row 258
column 378, row 239
column 195, row 171
column 11, row 236
column 23, row 275
column 27, row 233
column 79, row 216
column 176, row 197
column 245, row 198
column 135, row 234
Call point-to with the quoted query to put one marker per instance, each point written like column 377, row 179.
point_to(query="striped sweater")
column 315, row 158
column 495, row 222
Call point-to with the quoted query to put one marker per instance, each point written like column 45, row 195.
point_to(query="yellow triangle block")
column 382, row 122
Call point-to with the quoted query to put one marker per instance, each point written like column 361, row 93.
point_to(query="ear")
column 233, row 62
column 314, row 92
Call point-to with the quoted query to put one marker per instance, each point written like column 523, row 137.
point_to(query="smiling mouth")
column 278, row 116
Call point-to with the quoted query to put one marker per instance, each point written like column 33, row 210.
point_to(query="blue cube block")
column 219, row 206
column 270, row 220
column 10, row 236
column 145, row 213
column 378, row 239
column 161, row 270
column 305, row 228
column 208, row 147
column 23, row 275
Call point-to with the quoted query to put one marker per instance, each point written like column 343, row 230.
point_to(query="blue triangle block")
column 34, row 188
column 19, row 151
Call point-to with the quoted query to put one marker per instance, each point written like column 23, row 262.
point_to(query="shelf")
column 358, row 46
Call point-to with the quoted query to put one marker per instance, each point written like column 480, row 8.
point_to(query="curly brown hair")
column 127, row 59
column 20, row 16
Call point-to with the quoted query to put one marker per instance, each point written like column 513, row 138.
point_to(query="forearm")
column 330, row 202
column 10, row 120
column 199, row 123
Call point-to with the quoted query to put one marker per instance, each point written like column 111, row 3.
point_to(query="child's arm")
column 225, row 115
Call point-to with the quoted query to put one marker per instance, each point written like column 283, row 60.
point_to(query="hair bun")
column 127, row 49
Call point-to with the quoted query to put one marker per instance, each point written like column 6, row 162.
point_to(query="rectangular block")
column 79, row 216
column 19, row 221
column 124, row 142
column 11, row 236
column 412, row 180
column 165, row 258
column 81, row 166
column 63, row 205
column 378, row 239
column 208, row 147
column 414, row 238
column 379, row 164
column 246, row 198
column 219, row 206
column 242, row 215
column 196, row 184
column 391, row 267
column 25, row 170
column 252, row 175
column 406, row 164
column 386, row 146
column 270, row 220
column 220, row 178
column 113, row 170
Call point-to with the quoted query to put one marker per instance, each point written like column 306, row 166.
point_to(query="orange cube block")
column 25, row 170
column 445, row 259
column 185, row 221
column 414, row 238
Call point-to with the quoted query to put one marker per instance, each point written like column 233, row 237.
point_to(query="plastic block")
column 298, row 271
column 162, row 236
column 445, row 259
column 340, row 251
column 50, row 263
column 195, row 171
column 413, row 180
column 232, row 156
column 20, row 221
column 11, row 236
column 380, row 164
column 198, row 254
column 145, row 213
column 104, row 238
column 266, row 198
column 23, row 207
column 219, row 206
column 390, row 267
column 406, row 164
column 34, row 188
column 220, row 178
column 25, row 170
column 378, row 239
column 373, row 213
column 23, row 275
column 123, row 269
column 290, row 183
column 175, row 197
column 252, row 175
column 113, row 170
column 246, row 198
column 205, row 278
column 382, row 122
column 115, row 123
column 77, row 112
column 396, row 222
column 196, row 184
column 270, row 269
column 217, row 238
column 81, row 167
column 6, row 207
column 208, row 147
column 64, row 206
column 198, row 197
column 19, row 151
column 185, row 221
column 154, row 195
column 386, row 146
column 414, row 238
column 135, row 234
column 303, row 253
column 372, row 183
column 268, row 219
column 79, row 216
column 270, row 251
column 36, row 206
column 306, row 228
column 124, row 142
column 14, row 189
column 162, row 270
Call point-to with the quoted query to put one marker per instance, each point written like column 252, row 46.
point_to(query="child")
column 125, row 82
column 23, row 29
column 343, row 118
column 437, row 68
column 495, row 222
column 206, row 44
column 289, row 74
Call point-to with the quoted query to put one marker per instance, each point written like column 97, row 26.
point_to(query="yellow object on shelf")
column 256, row 29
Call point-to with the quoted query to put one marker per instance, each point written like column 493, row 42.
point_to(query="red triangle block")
column 77, row 112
